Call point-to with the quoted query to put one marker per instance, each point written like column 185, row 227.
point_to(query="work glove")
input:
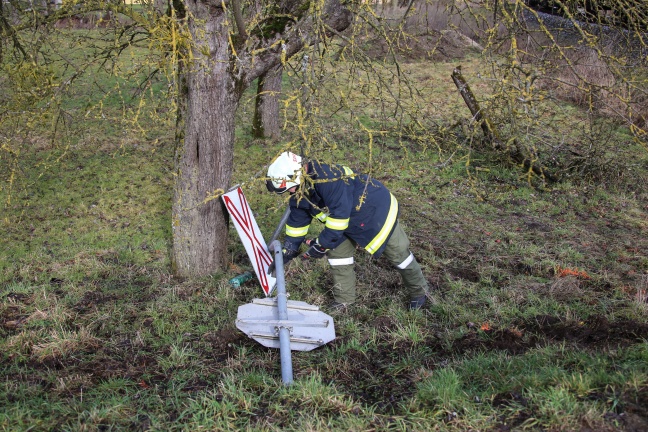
column 288, row 255
column 315, row 250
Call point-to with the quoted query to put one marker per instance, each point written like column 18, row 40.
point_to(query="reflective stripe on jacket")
column 348, row 204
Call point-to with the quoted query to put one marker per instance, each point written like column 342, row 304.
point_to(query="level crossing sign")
column 251, row 237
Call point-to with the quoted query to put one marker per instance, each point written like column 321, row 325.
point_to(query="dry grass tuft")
column 641, row 296
column 63, row 343
column 565, row 289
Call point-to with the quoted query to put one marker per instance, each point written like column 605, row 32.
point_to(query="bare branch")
column 238, row 17
column 304, row 33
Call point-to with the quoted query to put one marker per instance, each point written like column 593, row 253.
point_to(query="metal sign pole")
column 282, row 309
column 277, row 232
column 276, row 322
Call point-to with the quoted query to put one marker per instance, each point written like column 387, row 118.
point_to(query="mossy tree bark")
column 266, row 122
column 206, row 158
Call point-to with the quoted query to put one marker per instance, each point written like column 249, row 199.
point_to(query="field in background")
column 541, row 321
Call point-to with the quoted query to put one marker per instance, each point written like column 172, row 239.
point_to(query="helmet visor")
column 280, row 186
column 270, row 184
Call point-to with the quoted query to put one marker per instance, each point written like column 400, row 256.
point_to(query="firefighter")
column 356, row 211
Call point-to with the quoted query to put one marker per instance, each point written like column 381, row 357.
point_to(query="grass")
column 97, row 334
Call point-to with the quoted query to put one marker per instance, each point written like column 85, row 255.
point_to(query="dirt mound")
column 432, row 46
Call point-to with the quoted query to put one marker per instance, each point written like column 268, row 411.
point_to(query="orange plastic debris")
column 562, row 272
column 485, row 327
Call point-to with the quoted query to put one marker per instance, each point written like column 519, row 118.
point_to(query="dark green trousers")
column 397, row 253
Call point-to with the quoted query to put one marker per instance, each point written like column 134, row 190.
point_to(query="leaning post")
column 282, row 309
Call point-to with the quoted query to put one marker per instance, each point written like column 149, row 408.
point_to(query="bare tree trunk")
column 266, row 113
column 205, row 159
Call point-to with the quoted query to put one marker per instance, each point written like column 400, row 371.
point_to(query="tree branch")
column 284, row 45
column 238, row 18
column 514, row 151
column 7, row 29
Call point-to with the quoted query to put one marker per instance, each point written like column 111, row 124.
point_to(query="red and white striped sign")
column 251, row 237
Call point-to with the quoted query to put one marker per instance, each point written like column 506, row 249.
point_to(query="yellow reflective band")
column 337, row 224
column 378, row 241
column 296, row 231
column 348, row 171
column 321, row 216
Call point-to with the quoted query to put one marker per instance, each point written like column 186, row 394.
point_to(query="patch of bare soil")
column 364, row 378
column 597, row 332
column 634, row 417
column 11, row 318
column 513, row 398
column 90, row 301
column 11, row 312
column 223, row 339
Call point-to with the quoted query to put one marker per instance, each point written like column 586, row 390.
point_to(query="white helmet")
column 284, row 173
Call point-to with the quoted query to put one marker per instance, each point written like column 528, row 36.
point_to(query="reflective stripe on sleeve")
column 341, row 261
column 348, row 171
column 378, row 241
column 296, row 231
column 337, row 224
column 408, row 261
column 321, row 216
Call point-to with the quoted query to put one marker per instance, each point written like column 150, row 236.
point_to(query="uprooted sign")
column 251, row 237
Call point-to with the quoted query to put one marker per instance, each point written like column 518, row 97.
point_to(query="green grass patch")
column 540, row 319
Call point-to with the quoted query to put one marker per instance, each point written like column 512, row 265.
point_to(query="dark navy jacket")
column 350, row 205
